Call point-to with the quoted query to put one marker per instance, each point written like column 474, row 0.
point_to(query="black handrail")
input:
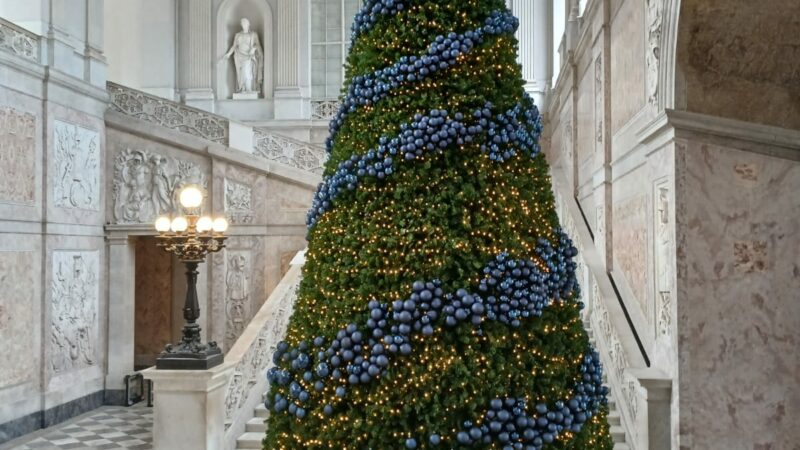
column 616, row 292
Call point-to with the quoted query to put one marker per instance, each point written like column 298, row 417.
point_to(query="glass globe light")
column 163, row 224
column 179, row 224
column 220, row 225
column 205, row 224
column 191, row 197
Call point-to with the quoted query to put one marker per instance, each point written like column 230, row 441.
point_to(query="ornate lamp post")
column 191, row 237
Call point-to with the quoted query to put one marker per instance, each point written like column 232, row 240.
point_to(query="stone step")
column 249, row 440
column 621, row 446
column 614, row 418
column 262, row 411
column 617, row 434
column 256, row 425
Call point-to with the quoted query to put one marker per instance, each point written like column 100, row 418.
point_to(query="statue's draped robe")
column 249, row 60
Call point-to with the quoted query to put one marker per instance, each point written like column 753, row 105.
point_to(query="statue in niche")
column 238, row 293
column 248, row 58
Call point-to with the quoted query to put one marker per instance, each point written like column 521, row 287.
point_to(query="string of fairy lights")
column 436, row 364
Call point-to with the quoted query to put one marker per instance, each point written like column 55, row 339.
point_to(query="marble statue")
column 248, row 59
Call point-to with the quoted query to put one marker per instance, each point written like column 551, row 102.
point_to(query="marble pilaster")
column 122, row 306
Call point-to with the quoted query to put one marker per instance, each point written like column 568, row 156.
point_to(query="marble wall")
column 52, row 250
column 738, row 312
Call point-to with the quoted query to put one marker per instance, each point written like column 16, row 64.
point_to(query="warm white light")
column 191, row 197
column 220, row 225
column 179, row 224
column 163, row 224
column 205, row 224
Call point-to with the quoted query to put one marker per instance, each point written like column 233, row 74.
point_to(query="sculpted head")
column 245, row 25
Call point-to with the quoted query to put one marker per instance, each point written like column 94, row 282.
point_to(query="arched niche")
column 228, row 18
column 736, row 59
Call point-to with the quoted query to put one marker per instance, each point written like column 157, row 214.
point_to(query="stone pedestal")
column 245, row 96
column 659, row 410
column 189, row 408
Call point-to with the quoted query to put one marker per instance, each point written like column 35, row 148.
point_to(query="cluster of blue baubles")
column 509, row 422
column 505, row 131
column 519, row 128
column 441, row 54
column 371, row 11
column 510, row 291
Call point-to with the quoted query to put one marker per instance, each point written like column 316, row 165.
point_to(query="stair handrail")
column 168, row 113
column 289, row 151
column 628, row 370
column 252, row 353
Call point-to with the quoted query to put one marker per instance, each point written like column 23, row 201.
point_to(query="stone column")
column 121, row 312
column 195, row 65
column 535, row 45
column 288, row 99
column 189, row 409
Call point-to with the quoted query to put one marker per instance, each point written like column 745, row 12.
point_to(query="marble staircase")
column 254, row 430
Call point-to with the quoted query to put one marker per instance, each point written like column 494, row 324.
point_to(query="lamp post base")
column 195, row 357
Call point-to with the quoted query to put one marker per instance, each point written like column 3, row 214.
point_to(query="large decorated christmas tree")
column 439, row 306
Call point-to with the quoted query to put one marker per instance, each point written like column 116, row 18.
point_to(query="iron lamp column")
column 191, row 238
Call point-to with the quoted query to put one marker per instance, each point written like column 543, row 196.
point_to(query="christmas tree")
column 439, row 306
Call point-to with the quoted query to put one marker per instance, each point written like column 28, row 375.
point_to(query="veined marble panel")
column 738, row 313
column 74, row 312
column 629, row 236
column 17, row 156
column 77, row 166
column 16, row 317
column 627, row 70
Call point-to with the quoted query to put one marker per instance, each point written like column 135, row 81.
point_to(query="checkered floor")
column 108, row 427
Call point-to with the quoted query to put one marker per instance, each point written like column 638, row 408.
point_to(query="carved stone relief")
column 18, row 41
column 566, row 140
column 663, row 251
column 17, row 317
column 77, row 166
column 147, row 184
column 655, row 12
column 238, row 202
column 237, row 295
column 17, row 156
column 600, row 231
column 599, row 102
column 324, row 109
column 74, row 316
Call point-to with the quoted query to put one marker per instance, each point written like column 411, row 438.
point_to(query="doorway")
column 154, row 312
